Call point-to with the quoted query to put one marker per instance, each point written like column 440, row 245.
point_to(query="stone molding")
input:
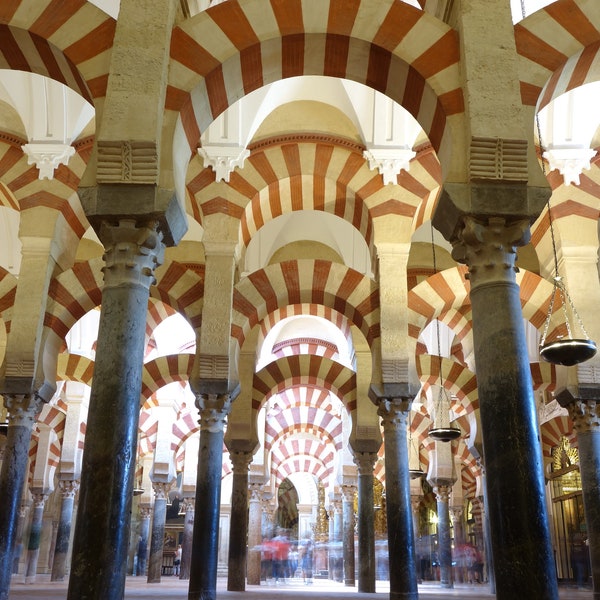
column 127, row 161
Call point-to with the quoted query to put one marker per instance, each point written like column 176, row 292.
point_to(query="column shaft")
column 254, row 534
column 366, row 522
column 401, row 547
column 21, row 417
column 108, row 468
column 157, row 537
column 63, row 534
column 444, row 541
column 186, row 546
column 348, row 536
column 35, row 536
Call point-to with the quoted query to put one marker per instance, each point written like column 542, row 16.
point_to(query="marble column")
column 442, row 494
column 18, row 547
column 35, row 535
column 68, row 490
column 254, row 533
column 22, row 412
column 238, row 531
column 337, row 538
column 186, row 546
column 365, row 462
column 522, row 549
column 157, row 537
column 348, row 492
column 108, row 469
column 415, row 505
column 142, row 548
column 584, row 411
column 214, row 409
column 401, row 546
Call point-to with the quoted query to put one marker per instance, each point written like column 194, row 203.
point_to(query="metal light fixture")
column 569, row 350
column 442, row 432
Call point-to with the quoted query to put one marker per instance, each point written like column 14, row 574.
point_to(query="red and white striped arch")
column 162, row 371
column 305, row 281
column 558, row 47
column 183, row 428
column 553, row 431
column 234, row 48
column 66, row 41
column 8, row 290
column 303, row 456
column 304, row 371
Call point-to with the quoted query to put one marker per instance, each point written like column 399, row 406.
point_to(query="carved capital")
column 442, row 491
column 240, row 461
column 348, row 492
column 68, row 488
column 23, row 409
column 39, row 499
column 214, row 409
column 585, row 415
column 255, row 493
column 365, row 462
column 161, row 490
column 393, row 412
column 145, row 512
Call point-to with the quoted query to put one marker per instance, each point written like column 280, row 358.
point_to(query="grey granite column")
column 584, row 411
column 254, row 533
column 401, row 546
column 18, row 547
column 214, row 409
column 108, row 469
column 35, row 535
column 22, row 413
column 522, row 549
column 238, row 531
column 365, row 462
column 157, row 537
column 68, row 489
column 186, row 546
column 442, row 494
column 142, row 547
column 348, row 492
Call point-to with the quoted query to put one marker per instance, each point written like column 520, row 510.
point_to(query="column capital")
column 214, row 409
column 145, row 512
column 240, row 460
column 23, row 409
column 133, row 250
column 442, row 490
column 68, row 487
column 38, row 498
column 584, row 407
column 161, row 490
column 348, row 492
column 393, row 411
column 365, row 461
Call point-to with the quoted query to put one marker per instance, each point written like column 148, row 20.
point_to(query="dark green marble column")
column 214, row 409
column 157, row 537
column 68, row 489
column 238, row 530
column 584, row 410
column 101, row 535
column 442, row 496
column 521, row 545
column 366, row 521
column 401, row 547
column 35, row 535
column 188, row 531
column 22, row 412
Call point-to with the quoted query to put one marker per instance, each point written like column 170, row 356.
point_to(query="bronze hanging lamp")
column 444, row 431
column 569, row 350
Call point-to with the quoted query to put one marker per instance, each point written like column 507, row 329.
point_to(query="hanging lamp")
column 417, row 472
column 442, row 432
column 569, row 350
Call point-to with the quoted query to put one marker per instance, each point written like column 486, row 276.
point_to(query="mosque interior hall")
column 300, row 290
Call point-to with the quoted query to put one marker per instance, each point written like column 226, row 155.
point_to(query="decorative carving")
column 47, row 156
column 442, row 491
column 22, row 409
column 365, row 462
column 161, row 489
column 393, row 412
column 570, row 162
column 585, row 415
column 127, row 162
column 348, row 492
column 214, row 409
column 394, row 369
column 213, row 366
column 499, row 159
column 489, row 248
column 240, row 461
column 389, row 162
column 223, row 159
column 132, row 252
column 68, row 487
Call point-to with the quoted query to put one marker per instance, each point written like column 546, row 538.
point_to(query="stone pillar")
column 348, row 492
column 584, row 411
column 22, row 412
column 254, row 533
column 401, row 546
column 522, row 549
column 365, row 462
column 336, row 571
column 214, row 409
column 238, row 531
column 157, row 537
column 456, row 516
column 442, row 491
column 18, row 547
column 68, row 490
column 108, row 470
column 415, row 504
column 186, row 546
column 35, row 535
column 52, row 545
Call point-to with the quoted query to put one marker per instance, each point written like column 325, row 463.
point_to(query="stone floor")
column 293, row 589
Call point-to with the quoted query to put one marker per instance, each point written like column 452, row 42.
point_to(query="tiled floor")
column 171, row 588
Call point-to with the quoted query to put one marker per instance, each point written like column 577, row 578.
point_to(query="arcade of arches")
column 255, row 251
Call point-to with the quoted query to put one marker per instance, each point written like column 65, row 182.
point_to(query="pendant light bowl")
column 444, row 434
column 568, row 352
column 416, row 473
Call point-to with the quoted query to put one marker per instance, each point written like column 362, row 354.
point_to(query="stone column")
column 238, row 531
column 584, row 411
column 157, row 537
column 522, row 549
column 142, row 549
column 22, row 412
column 337, row 538
column 254, row 533
column 18, row 548
column 348, row 492
column 35, row 535
column 108, row 470
column 401, row 547
column 365, row 462
column 186, row 546
column 214, row 409
column 456, row 516
column 415, row 504
column 68, row 489
column 442, row 491
column 52, row 546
